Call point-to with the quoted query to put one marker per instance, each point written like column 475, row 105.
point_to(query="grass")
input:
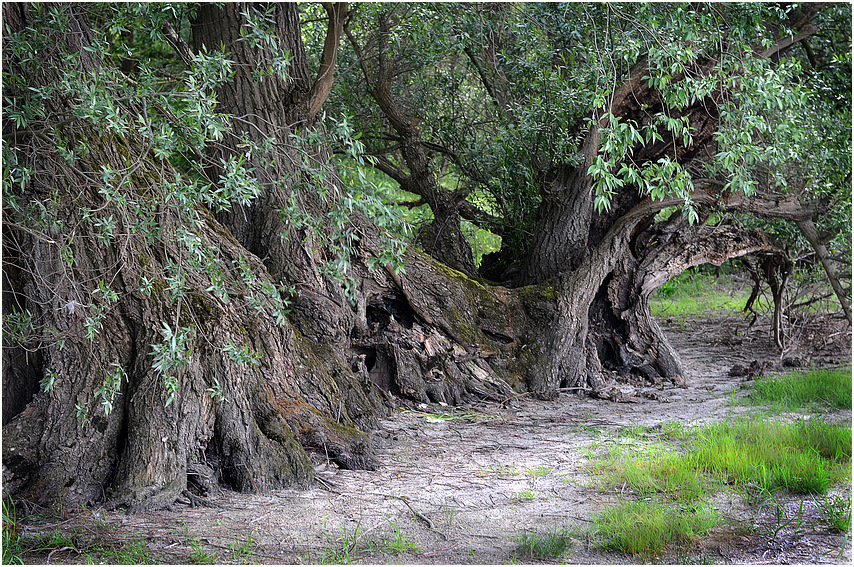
column 551, row 544
column 660, row 470
column 540, row 471
column 341, row 546
column 398, row 543
column 801, row 390
column 242, row 552
column 201, row 556
column 805, row 457
column 693, row 293
column 526, row 495
column 835, row 513
column 646, row 528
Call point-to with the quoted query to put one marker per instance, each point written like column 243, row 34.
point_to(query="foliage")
column 507, row 93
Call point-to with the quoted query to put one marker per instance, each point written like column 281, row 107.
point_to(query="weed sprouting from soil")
column 200, row 555
column 835, row 513
column 399, row 543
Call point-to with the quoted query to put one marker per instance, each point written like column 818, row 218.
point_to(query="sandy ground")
column 461, row 488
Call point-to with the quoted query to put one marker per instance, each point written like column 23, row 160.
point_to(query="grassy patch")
column 799, row 390
column 658, row 470
column 694, row 293
column 805, row 457
column 551, row 544
column 646, row 528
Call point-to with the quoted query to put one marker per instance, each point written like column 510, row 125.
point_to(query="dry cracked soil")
column 461, row 486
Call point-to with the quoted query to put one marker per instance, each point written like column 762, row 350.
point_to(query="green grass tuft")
column 804, row 457
column 799, row 390
column 551, row 544
column 646, row 528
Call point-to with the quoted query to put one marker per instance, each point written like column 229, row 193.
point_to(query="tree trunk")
column 809, row 231
column 251, row 422
column 108, row 425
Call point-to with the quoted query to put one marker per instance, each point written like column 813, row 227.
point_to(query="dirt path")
column 460, row 487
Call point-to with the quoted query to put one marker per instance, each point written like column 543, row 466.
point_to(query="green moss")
column 545, row 291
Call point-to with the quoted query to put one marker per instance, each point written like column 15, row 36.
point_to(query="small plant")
column 552, row 544
column 244, row 551
column 200, row 555
column 342, row 546
column 12, row 549
column 540, row 471
column 449, row 509
column 399, row 544
column 499, row 470
column 526, row 495
column 780, row 521
column 835, row 513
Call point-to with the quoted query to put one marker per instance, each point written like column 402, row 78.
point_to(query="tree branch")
column 808, row 229
column 496, row 95
column 323, row 84
column 181, row 48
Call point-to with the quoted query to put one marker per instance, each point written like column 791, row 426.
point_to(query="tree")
column 682, row 115
column 192, row 293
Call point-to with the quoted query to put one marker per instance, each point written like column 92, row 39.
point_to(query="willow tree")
column 192, row 293
column 568, row 129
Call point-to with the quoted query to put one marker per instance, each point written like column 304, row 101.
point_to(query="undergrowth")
column 550, row 544
column 693, row 293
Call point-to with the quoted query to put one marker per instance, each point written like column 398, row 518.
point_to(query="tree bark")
column 322, row 374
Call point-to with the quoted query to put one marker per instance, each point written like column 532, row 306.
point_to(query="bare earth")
column 461, row 488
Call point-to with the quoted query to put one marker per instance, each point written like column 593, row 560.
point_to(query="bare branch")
column 325, row 77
